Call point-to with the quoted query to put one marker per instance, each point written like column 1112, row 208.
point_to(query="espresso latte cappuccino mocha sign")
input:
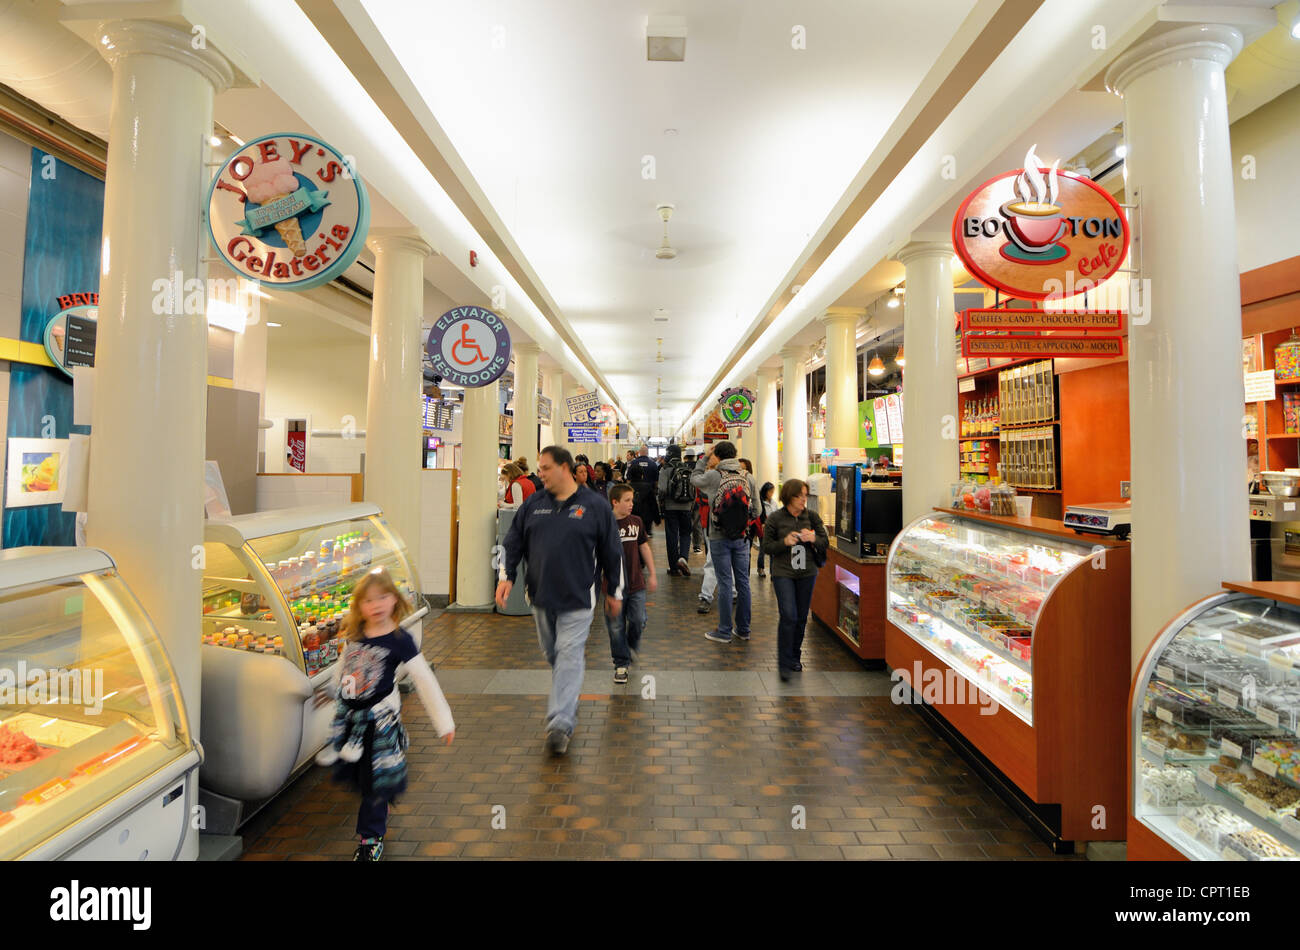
column 1034, row 231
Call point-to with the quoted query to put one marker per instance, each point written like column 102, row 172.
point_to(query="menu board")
column 884, row 434
column 437, row 415
column 894, row 406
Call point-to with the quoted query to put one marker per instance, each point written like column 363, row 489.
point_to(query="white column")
column 930, row 458
column 525, row 440
column 841, row 376
column 794, row 413
column 550, row 433
column 765, row 428
column 1185, row 382
column 478, row 498
column 150, row 414
column 393, row 412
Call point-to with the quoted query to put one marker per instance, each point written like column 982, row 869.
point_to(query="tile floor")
column 712, row 758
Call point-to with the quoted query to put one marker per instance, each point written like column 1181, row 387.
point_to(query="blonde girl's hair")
column 377, row 581
column 510, row 471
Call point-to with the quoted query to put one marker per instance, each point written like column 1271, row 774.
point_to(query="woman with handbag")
column 795, row 538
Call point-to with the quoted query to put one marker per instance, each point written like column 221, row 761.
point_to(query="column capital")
column 835, row 315
column 921, row 250
column 526, row 346
column 397, row 241
column 120, row 39
column 1209, row 42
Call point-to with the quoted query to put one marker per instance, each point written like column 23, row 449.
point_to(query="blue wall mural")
column 65, row 223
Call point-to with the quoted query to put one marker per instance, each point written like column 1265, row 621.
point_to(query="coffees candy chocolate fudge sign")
column 288, row 210
column 1034, row 231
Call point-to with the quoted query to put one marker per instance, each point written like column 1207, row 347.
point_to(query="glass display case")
column 280, row 582
column 1216, row 704
column 96, row 758
column 971, row 593
column 276, row 588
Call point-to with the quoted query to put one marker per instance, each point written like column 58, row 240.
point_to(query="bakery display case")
column 277, row 586
column 96, row 757
column 1215, row 731
column 1014, row 634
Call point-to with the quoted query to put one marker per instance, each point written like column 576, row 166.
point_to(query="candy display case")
column 276, row 588
column 96, row 757
column 1214, row 736
column 1015, row 636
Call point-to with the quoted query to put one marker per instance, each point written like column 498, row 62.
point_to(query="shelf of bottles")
column 979, row 418
column 317, row 588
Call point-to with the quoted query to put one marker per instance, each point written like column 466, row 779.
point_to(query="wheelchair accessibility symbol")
column 469, row 346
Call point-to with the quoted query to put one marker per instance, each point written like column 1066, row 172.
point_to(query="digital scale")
column 1107, row 517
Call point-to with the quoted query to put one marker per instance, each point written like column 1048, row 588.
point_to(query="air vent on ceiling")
column 665, row 39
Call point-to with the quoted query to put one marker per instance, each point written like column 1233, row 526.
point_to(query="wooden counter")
column 869, row 576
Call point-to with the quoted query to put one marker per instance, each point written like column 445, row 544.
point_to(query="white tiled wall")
column 435, row 531
column 289, row 491
column 328, row 454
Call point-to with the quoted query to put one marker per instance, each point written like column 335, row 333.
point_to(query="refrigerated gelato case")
column 96, row 757
column 277, row 586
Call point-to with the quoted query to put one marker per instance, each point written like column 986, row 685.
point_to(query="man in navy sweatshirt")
column 568, row 536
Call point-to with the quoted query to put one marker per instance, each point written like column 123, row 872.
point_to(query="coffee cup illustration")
column 1035, row 223
column 1034, row 226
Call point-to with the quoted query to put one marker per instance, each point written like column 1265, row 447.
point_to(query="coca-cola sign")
column 298, row 450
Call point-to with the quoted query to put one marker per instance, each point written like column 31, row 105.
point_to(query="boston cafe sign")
column 287, row 210
column 1031, row 231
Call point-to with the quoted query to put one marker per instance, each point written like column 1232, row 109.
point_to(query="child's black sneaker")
column 370, row 849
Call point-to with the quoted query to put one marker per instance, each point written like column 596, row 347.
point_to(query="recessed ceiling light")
column 1121, row 151
column 670, row 131
column 214, row 141
column 270, row 324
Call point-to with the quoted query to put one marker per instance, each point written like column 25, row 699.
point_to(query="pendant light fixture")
column 876, row 367
column 898, row 357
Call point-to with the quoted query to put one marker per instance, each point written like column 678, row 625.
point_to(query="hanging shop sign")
column 1034, row 231
column 715, row 428
column 469, row 346
column 505, row 427
column 894, row 405
column 288, row 210
column 737, row 407
column 1098, row 347
column 543, row 409
column 1039, row 321
column 590, row 433
column 70, row 335
column 584, row 409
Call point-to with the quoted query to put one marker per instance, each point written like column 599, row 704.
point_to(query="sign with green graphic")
column 737, row 407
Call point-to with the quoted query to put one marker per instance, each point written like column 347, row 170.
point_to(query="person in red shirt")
column 626, row 627
column 518, row 486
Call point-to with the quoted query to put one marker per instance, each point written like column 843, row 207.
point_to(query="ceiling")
column 554, row 108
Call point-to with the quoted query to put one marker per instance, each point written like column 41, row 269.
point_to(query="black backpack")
column 679, row 484
column 731, row 506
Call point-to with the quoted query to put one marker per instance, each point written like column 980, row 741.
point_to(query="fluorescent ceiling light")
column 270, row 324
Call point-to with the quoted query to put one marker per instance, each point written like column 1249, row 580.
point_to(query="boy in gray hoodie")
column 730, row 554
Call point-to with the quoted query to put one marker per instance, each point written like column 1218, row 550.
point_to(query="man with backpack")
column 676, row 495
column 643, row 476
column 734, row 511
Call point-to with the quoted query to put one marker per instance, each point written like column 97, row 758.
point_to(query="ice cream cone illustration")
column 270, row 182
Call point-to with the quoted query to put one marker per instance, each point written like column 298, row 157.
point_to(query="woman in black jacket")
column 795, row 538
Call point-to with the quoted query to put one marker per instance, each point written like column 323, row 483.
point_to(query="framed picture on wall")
column 37, row 472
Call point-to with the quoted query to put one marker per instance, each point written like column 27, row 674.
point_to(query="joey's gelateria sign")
column 288, row 210
column 1034, row 231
